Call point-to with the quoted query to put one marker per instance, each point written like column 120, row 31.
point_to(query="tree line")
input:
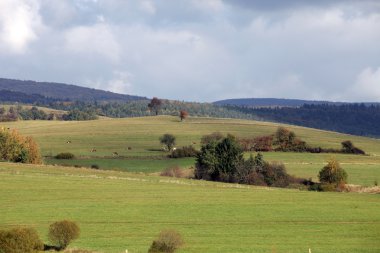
column 19, row 112
column 357, row 119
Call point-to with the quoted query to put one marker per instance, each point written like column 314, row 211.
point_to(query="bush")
column 214, row 137
column 349, row 148
column 95, row 166
column 332, row 173
column 172, row 172
column 168, row 241
column 61, row 233
column 20, row 240
column 17, row 148
column 168, row 140
column 275, row 175
column 65, row 155
column 188, row 151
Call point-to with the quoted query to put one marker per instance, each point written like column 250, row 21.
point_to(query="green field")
column 118, row 211
column 125, row 205
column 145, row 155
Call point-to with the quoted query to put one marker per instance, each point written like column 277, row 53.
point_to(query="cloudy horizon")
column 197, row 50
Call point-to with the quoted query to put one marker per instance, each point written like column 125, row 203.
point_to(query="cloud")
column 367, row 86
column 89, row 41
column 20, row 24
column 200, row 50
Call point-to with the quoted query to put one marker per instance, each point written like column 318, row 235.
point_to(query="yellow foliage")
column 17, row 148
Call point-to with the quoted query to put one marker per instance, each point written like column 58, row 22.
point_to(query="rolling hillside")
column 145, row 155
column 118, row 210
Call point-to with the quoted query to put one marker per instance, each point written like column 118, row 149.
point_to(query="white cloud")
column 96, row 40
column 367, row 86
column 20, row 24
column 121, row 82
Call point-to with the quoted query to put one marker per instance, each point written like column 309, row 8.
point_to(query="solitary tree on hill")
column 183, row 114
column 155, row 105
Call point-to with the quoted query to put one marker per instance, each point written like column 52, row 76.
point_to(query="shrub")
column 263, row 143
column 168, row 140
column 275, row 175
column 17, row 148
column 214, row 137
column 65, row 155
column 95, row 166
column 188, row 151
column 172, row 172
column 61, row 233
column 20, row 240
column 168, row 241
column 348, row 147
column 332, row 173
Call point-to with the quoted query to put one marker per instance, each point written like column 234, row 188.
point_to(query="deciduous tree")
column 155, row 105
column 183, row 114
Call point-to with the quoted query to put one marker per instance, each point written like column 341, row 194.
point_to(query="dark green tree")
column 219, row 160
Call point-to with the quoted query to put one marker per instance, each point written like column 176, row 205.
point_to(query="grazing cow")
column 129, row 148
column 93, row 150
column 115, row 154
column 68, row 142
column 194, row 143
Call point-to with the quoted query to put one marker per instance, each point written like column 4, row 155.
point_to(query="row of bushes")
column 187, row 151
column 286, row 141
column 26, row 240
column 62, row 233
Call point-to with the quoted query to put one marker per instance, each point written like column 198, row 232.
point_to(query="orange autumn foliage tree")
column 16, row 148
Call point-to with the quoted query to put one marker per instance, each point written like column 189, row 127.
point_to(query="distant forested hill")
column 7, row 96
column 60, row 91
column 267, row 102
column 357, row 119
column 275, row 102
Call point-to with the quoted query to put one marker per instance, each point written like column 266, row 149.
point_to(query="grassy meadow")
column 125, row 205
column 136, row 142
column 119, row 210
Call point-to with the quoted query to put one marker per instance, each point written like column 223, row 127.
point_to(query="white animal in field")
column 174, row 149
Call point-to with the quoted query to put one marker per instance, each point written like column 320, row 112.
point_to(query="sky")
column 197, row 50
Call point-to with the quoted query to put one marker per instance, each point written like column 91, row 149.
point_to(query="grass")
column 146, row 165
column 118, row 211
column 136, row 142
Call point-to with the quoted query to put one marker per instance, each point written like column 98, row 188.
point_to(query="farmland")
column 125, row 204
column 118, row 211
column 136, row 142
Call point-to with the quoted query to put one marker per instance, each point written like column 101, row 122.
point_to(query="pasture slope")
column 121, row 210
column 141, row 135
